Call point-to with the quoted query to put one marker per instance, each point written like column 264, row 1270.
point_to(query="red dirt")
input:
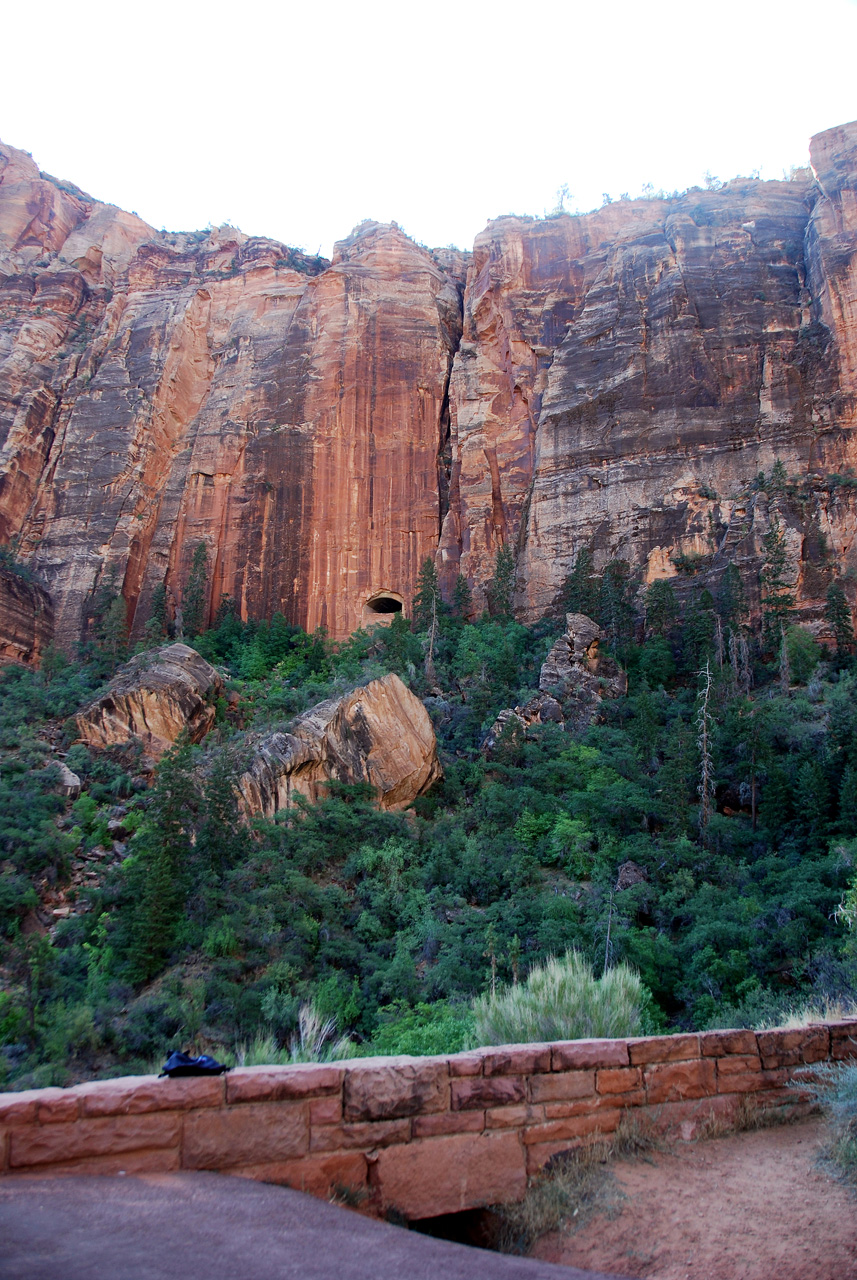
column 750, row 1206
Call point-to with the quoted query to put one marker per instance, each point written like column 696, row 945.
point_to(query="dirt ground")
column 750, row 1206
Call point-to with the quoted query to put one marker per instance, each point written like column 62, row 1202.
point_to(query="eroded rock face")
column 161, row 390
column 26, row 618
column 380, row 734
column 623, row 377
column 154, row 698
column 616, row 380
column 574, row 678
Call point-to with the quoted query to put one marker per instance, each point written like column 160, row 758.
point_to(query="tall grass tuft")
column 562, row 1000
column 835, row 1085
column 315, row 1040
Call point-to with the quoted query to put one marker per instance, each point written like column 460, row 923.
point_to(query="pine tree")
column 616, row 613
column 195, row 594
column 155, row 629
column 661, row 607
column 424, row 608
column 838, row 615
column 731, row 598
column 779, row 478
column 580, row 593
column 462, row 597
column 502, row 586
column 778, row 598
column 706, row 767
column 161, row 873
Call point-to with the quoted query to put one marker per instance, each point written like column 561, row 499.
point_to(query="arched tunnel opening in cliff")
column 381, row 608
column 384, row 603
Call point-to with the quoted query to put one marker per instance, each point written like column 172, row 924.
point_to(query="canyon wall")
column 616, row 379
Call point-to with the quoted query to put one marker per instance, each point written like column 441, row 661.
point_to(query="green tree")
column 616, row 613
column 155, row 629
column 195, row 596
column 779, row 478
column 426, row 599
column 580, row 593
column 661, row 607
column 462, row 597
column 502, row 586
column 778, row 598
column 731, row 598
column 159, row 875
column 838, row 615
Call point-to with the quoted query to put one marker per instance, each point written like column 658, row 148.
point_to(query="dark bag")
column 182, row 1064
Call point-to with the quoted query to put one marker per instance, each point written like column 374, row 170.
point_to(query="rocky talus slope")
column 615, row 379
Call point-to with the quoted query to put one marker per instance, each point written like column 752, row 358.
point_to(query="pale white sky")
column 297, row 121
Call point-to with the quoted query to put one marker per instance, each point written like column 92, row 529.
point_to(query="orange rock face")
column 616, row 380
column 380, row 734
column 154, row 697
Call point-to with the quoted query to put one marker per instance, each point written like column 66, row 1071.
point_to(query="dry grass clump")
column 314, row 1041
column 835, row 1086
column 572, row 1187
column 820, row 1010
column 562, row 1000
column 749, row 1116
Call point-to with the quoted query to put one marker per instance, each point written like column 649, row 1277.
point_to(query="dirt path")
column 751, row 1206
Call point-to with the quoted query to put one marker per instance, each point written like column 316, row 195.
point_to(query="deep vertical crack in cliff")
column 444, row 447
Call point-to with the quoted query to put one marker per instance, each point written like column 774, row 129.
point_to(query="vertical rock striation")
column 616, row 379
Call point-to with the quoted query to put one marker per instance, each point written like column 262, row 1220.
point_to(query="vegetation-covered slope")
column 732, row 793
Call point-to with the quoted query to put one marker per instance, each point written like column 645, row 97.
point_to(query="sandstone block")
column 673, row 1081
column 58, row 1108
column 448, row 1175
column 380, row 734
column 515, row 1117
column 273, row 1084
column 444, row 1122
column 784, row 1048
column 570, row 1055
column 588, row 1106
column 511, row 1060
column 325, row 1110
column 602, row 1120
column 365, row 1136
column 562, row 1085
column 477, row 1092
column 246, row 1134
column 20, row 1108
column 110, row 1136
column 618, row 1079
column 150, row 1160
column 154, row 697
column 387, row 1090
column 738, row 1064
column 466, row 1064
column 843, row 1041
column 316, row 1175
column 689, row 1119
column 664, row 1048
column 718, row 1044
column 136, row 1095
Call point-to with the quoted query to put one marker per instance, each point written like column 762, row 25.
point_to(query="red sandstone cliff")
column 621, row 378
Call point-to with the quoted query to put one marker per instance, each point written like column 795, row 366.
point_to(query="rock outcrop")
column 26, row 618
column 616, row 380
column 380, row 734
column 574, row 678
column 154, row 698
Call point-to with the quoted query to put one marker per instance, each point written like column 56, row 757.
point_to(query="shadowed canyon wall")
column 615, row 379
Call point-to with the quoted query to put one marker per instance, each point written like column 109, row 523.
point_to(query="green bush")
column 562, row 1000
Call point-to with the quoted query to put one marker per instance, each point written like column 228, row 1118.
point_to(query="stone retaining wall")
column 423, row 1136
